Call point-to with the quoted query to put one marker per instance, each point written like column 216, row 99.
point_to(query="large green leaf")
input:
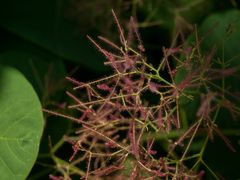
column 44, row 23
column 222, row 30
column 21, row 125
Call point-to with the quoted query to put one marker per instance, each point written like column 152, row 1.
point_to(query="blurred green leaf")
column 21, row 125
column 44, row 24
column 222, row 30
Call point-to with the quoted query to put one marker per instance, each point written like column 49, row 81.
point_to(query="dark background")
column 46, row 40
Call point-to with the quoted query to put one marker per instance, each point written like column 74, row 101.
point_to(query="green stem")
column 210, row 170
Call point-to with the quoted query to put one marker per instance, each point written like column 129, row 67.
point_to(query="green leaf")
column 21, row 125
column 222, row 30
column 44, row 23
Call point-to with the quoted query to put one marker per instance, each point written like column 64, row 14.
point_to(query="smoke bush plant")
column 127, row 120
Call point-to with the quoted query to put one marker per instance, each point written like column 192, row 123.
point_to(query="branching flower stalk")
column 123, row 116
